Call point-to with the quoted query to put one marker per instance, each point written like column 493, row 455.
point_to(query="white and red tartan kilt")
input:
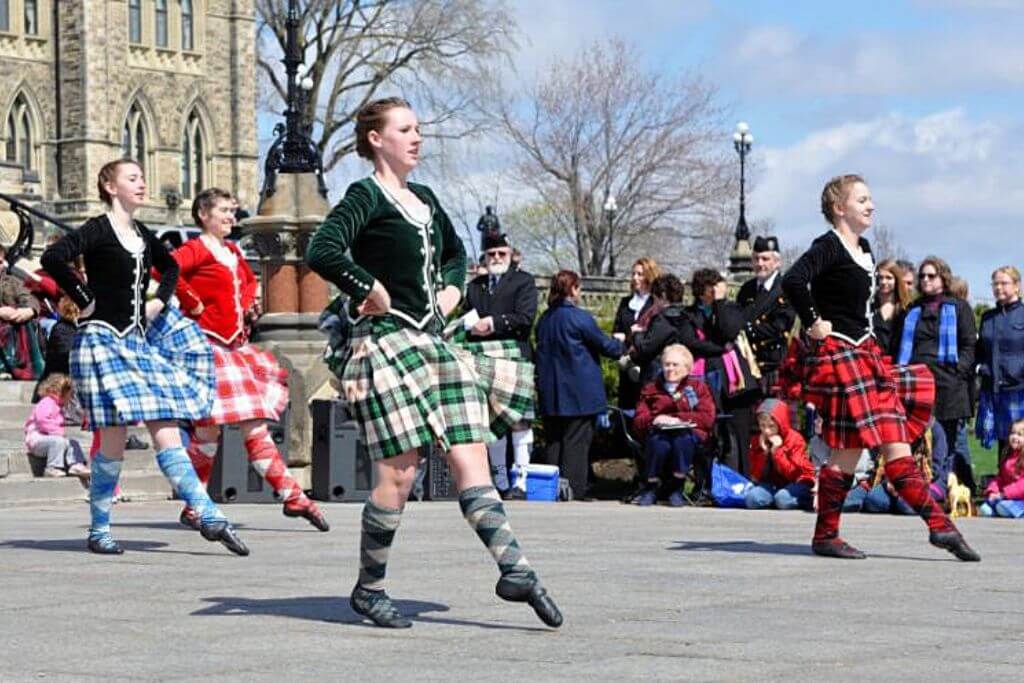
column 863, row 399
column 251, row 385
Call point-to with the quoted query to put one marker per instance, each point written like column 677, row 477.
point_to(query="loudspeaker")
column 439, row 484
column 342, row 469
column 233, row 479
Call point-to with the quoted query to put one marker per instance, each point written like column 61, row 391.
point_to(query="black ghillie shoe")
column 310, row 513
column 225, row 534
column 189, row 518
column 377, row 607
column 954, row 543
column 105, row 545
column 531, row 592
column 837, row 547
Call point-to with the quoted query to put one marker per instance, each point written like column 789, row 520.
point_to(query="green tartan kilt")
column 407, row 388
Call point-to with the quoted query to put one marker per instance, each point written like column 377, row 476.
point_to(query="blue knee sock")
column 103, row 481
column 176, row 466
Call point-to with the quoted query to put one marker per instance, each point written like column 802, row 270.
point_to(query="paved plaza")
column 648, row 594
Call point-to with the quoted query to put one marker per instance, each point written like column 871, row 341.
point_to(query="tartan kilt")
column 407, row 388
column 251, row 385
column 863, row 399
column 165, row 374
column 996, row 414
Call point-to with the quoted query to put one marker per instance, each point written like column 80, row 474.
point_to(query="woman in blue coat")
column 1000, row 359
column 570, row 389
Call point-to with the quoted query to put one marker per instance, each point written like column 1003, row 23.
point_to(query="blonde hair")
column 681, row 350
column 1008, row 270
column 108, row 174
column 56, row 385
column 835, row 192
column 68, row 309
column 650, row 268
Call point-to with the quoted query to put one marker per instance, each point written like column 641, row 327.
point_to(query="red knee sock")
column 832, row 488
column 906, row 478
column 264, row 456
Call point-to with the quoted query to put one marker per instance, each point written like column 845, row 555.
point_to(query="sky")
column 922, row 97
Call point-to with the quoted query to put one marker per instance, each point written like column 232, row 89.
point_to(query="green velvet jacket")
column 369, row 236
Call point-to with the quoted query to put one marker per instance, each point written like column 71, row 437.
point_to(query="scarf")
column 947, row 334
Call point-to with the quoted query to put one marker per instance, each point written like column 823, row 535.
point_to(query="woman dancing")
column 134, row 360
column 217, row 288
column 406, row 386
column 863, row 400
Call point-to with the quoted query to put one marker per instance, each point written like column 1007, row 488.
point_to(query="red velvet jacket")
column 225, row 295
column 691, row 402
column 789, row 463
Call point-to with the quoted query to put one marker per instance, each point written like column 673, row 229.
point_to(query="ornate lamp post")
column 610, row 207
column 739, row 260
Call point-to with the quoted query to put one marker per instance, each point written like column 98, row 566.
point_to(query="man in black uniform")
column 767, row 315
column 505, row 299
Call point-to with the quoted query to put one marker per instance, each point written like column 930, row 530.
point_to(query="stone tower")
column 169, row 82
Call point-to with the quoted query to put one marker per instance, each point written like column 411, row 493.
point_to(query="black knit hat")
column 496, row 242
column 762, row 244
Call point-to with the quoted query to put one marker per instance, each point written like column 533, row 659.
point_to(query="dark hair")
column 703, row 278
column 835, row 192
column 668, row 287
column 942, row 268
column 205, row 200
column 108, row 174
column 907, row 266
column 562, row 284
column 373, row 116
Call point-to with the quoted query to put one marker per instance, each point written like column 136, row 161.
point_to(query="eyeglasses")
column 497, row 254
column 928, row 276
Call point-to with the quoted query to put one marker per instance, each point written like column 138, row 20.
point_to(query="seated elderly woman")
column 674, row 415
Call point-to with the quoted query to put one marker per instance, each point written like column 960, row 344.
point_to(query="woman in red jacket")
column 674, row 415
column 217, row 288
column 779, row 466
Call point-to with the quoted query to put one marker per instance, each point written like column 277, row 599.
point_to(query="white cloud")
column 944, row 183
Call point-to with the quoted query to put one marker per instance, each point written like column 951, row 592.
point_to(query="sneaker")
column 134, row 443
column 377, row 607
column 676, row 499
column 104, row 544
column 648, row 497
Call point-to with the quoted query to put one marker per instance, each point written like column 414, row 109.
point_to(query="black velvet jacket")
column 117, row 279
column 512, row 304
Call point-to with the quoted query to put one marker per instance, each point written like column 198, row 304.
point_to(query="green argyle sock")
column 482, row 508
column 379, row 526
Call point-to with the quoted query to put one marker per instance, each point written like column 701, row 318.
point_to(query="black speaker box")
column 439, row 483
column 233, row 479
column 342, row 469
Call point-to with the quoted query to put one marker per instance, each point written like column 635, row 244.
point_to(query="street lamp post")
column 742, row 140
column 610, row 207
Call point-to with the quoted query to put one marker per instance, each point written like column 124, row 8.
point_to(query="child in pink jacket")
column 44, row 431
column 1004, row 496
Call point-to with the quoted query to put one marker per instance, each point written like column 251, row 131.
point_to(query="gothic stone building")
column 171, row 83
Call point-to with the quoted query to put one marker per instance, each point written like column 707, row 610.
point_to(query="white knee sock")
column 521, row 442
column 496, row 453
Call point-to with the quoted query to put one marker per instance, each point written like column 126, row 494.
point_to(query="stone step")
column 24, row 489
column 12, row 391
column 18, row 460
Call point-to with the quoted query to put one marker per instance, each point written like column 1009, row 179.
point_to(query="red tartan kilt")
column 251, row 385
column 863, row 399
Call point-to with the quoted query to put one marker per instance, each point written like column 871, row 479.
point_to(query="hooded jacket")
column 787, row 464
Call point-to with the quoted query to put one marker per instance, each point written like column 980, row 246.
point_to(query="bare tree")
column 602, row 124
column 884, row 244
column 434, row 52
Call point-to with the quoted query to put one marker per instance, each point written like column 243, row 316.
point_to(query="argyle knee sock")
column 906, row 478
column 832, row 488
column 379, row 527
column 102, row 482
column 267, row 461
column 175, row 465
column 483, row 510
column 521, row 442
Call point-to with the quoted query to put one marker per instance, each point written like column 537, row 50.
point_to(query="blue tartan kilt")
column 996, row 414
column 165, row 374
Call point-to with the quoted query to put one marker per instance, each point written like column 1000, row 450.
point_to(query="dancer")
column 406, row 386
column 863, row 400
column 134, row 360
column 217, row 288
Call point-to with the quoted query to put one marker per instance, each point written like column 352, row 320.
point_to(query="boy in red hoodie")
column 782, row 473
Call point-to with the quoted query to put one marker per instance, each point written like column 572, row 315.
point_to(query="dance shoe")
column 836, row 547
column 377, row 607
column 222, row 531
column 105, row 545
column 530, row 591
column 189, row 518
column 954, row 543
column 310, row 513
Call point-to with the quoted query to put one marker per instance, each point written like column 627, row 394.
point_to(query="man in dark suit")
column 505, row 299
column 767, row 315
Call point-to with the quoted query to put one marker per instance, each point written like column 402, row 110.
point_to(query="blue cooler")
column 541, row 482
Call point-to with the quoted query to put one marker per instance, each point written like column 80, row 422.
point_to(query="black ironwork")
column 742, row 146
column 22, row 245
column 293, row 150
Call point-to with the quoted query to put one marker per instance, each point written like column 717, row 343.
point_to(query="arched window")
column 135, row 21
column 187, row 35
column 31, row 17
column 5, row 15
column 19, row 147
column 161, row 23
column 193, row 168
column 133, row 137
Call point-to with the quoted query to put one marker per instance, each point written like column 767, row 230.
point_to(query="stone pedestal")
column 740, row 266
